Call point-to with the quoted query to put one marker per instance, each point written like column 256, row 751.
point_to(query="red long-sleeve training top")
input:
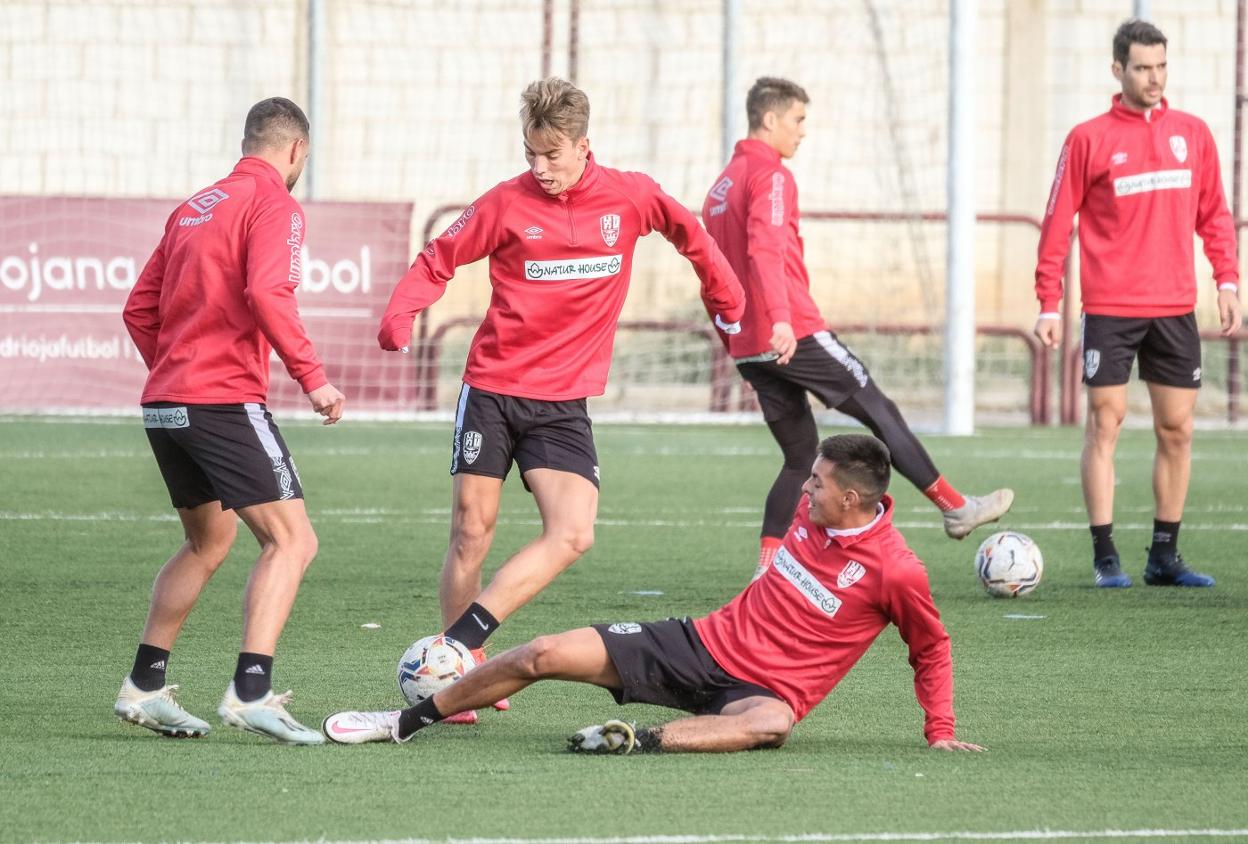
column 1142, row 184
column 752, row 213
column 559, row 271
column 799, row 628
column 219, row 292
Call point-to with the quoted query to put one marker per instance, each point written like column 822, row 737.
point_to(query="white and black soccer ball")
column 430, row 665
column 1009, row 564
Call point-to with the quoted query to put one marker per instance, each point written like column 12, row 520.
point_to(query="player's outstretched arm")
column 954, row 744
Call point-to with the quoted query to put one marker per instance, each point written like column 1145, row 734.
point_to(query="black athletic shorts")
column 1169, row 350
column 492, row 430
column 227, row 452
column 821, row 365
column 666, row 664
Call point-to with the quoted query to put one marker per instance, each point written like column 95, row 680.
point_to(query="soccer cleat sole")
column 140, row 720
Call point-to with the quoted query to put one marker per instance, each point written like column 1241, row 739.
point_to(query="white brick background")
column 147, row 98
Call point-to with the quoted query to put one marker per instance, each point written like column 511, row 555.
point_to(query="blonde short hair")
column 554, row 105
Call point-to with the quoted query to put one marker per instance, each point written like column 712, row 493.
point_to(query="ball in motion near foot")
column 430, row 665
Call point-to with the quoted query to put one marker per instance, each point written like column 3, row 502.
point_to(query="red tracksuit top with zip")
column 559, row 269
column 828, row 594
column 752, row 214
column 1141, row 183
column 219, row 292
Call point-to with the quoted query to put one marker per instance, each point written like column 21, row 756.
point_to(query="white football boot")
column 611, row 737
column 158, row 711
column 362, row 727
column 266, row 717
column 978, row 510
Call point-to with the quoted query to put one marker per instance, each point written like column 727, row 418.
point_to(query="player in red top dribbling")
column 752, row 669
column 1143, row 179
column 560, row 240
column 216, row 297
column 784, row 349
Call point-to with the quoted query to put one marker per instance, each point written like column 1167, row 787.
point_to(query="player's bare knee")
column 539, row 658
column 1174, row 435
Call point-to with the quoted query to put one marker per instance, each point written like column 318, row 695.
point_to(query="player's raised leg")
column 961, row 513
column 577, row 655
column 1173, row 410
column 1107, row 407
column 287, row 546
column 145, row 698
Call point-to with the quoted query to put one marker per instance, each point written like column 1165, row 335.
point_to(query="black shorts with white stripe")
column 821, row 365
column 232, row 453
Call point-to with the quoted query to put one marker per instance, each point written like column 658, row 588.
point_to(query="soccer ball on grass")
column 1009, row 564
column 430, row 665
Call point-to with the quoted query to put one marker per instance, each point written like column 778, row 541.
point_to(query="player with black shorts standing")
column 216, row 297
column 784, row 349
column 1143, row 179
column 560, row 239
column 752, row 669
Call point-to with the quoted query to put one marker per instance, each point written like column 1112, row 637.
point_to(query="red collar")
column 753, row 146
column 251, row 166
column 583, row 185
column 1127, row 113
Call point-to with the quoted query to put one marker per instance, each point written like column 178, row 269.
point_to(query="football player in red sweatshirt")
column 752, row 669
column 1143, row 179
column 560, row 239
column 784, row 348
column 216, row 297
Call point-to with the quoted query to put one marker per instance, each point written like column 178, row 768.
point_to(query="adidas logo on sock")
column 159, row 665
column 255, row 669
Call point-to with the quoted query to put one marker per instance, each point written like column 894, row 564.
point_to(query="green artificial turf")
column 1106, row 711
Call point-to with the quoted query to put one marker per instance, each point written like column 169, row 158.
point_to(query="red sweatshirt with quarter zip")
column 1142, row 184
column 799, row 628
column 559, row 271
column 752, row 213
column 219, row 293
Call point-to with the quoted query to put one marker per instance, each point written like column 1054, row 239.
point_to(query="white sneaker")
column 978, row 510
column 266, row 717
column 361, row 727
column 158, row 711
column 611, row 737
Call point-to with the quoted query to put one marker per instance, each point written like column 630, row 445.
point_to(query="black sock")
column 473, row 627
column 1165, row 537
column 253, row 676
column 149, row 667
column 649, row 740
column 418, row 717
column 1103, row 541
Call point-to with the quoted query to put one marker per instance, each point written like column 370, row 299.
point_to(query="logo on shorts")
column 609, row 225
column 165, row 417
column 598, row 475
column 1196, row 374
column 1091, row 361
column 1178, row 146
column 851, row 574
column 284, row 482
column 472, row 446
column 624, row 627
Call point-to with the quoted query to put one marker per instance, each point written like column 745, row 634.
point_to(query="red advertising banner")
column 68, row 263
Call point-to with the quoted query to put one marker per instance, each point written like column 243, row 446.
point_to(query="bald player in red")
column 754, row 668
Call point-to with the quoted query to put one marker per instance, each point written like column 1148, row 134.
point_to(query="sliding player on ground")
column 752, row 669
column 560, row 239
